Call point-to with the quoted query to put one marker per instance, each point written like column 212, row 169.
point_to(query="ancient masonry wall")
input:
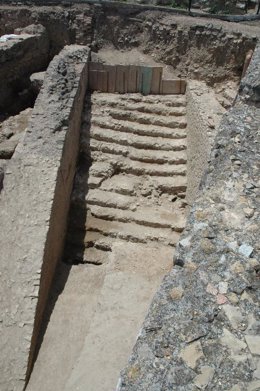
column 202, row 329
column 204, row 113
column 34, row 206
column 19, row 58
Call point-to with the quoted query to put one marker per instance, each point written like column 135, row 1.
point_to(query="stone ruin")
column 129, row 194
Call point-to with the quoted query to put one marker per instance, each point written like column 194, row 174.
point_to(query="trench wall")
column 208, row 50
column 204, row 114
column 201, row 331
column 20, row 57
column 34, row 205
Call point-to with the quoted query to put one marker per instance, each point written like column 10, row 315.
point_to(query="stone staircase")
column 131, row 178
column 127, row 212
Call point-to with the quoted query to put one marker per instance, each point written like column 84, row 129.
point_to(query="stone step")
column 109, row 199
column 167, row 100
column 143, row 215
column 143, row 107
column 142, row 155
column 141, row 118
column 95, row 256
column 78, row 255
column 101, row 169
column 141, row 142
column 122, row 184
column 170, row 185
column 132, row 232
column 139, row 129
column 128, row 166
column 107, row 147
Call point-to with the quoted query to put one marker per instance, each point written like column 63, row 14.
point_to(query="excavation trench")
column 128, row 209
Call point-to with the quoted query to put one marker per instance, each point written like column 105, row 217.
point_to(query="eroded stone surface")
column 220, row 303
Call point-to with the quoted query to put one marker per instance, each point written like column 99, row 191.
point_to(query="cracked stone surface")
column 209, row 337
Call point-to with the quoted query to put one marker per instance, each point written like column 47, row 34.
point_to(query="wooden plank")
column 102, row 81
column 120, row 79
column 92, row 80
column 139, row 78
column 95, row 66
column 111, row 77
column 170, row 86
column 146, row 80
column 132, row 79
column 156, row 80
column 183, row 86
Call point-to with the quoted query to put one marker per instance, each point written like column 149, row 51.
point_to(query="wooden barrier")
column 132, row 78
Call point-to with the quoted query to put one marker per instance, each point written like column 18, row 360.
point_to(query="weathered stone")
column 253, row 342
column 246, row 250
column 204, row 378
column 176, row 293
column 192, row 353
column 234, row 316
column 235, row 345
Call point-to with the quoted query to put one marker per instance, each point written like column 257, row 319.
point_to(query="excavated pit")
column 128, row 209
column 140, row 163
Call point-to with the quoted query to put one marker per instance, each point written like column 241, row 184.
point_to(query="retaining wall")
column 131, row 78
column 202, row 329
column 34, row 205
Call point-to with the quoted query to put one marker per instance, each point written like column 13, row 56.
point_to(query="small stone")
column 202, row 380
column 221, row 299
column 246, row 296
column 207, row 246
column 185, row 242
column 237, row 267
column 257, row 370
column 223, row 287
column 246, row 250
column 232, row 246
column 249, row 212
column 191, row 266
column 192, row 353
column 234, row 315
column 212, row 289
column 253, row 342
column 233, row 298
column 176, row 293
column 235, row 345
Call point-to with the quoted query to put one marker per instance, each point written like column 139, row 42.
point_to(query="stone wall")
column 204, row 113
column 20, row 57
column 34, row 205
column 202, row 329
